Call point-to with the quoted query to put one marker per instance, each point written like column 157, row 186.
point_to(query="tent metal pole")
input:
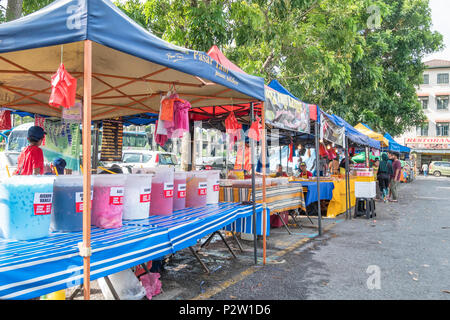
column 346, row 170
column 85, row 251
column 347, row 181
column 319, row 213
column 252, row 161
column 263, row 146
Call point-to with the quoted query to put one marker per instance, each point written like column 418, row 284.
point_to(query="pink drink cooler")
column 162, row 196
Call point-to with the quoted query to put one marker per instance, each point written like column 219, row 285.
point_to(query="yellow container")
column 58, row 295
column 365, row 179
column 239, row 174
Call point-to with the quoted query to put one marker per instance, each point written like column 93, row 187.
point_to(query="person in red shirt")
column 304, row 173
column 31, row 159
column 280, row 172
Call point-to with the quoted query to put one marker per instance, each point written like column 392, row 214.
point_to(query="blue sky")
column 440, row 11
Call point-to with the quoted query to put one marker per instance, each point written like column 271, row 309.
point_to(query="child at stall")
column 31, row 159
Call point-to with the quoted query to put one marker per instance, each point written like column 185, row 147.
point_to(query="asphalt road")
column 407, row 245
column 403, row 254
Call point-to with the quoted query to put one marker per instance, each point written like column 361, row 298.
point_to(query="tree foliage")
column 360, row 59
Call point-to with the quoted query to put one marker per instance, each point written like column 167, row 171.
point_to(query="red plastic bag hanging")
column 167, row 109
column 291, row 152
column 64, row 88
column 255, row 130
column 233, row 128
column 5, row 120
column 323, row 151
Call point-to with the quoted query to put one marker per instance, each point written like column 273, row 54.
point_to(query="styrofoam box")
column 365, row 189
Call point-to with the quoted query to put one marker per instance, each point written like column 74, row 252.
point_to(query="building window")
column 422, row 131
column 424, row 103
column 442, row 129
column 426, row 79
column 442, row 102
column 442, row 78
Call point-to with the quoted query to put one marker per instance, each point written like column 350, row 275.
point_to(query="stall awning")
column 282, row 109
column 131, row 66
column 354, row 135
column 361, row 127
column 395, row 146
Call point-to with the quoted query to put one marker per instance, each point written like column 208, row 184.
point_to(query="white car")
column 146, row 159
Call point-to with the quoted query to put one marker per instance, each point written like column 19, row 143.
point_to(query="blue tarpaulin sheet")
column 33, row 268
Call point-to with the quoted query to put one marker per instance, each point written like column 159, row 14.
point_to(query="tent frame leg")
column 199, row 259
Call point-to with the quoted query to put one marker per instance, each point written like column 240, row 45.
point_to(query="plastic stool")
column 365, row 206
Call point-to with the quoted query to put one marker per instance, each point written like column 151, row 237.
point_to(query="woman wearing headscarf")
column 384, row 174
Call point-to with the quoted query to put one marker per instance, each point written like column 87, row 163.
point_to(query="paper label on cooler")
column 79, row 201
column 168, row 190
column 182, row 191
column 43, row 203
column 202, row 187
column 145, row 194
column 216, row 185
column 116, row 196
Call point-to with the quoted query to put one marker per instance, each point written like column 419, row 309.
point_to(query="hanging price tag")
column 216, row 186
column 168, row 190
column 116, row 196
column 181, row 191
column 43, row 203
column 202, row 187
column 145, row 194
column 79, row 201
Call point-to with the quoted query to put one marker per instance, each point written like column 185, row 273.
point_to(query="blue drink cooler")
column 25, row 207
column 67, row 213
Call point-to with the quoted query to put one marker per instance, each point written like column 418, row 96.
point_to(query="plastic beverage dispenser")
column 179, row 188
column 25, row 207
column 161, row 202
column 138, row 188
column 107, row 206
column 212, row 197
column 67, row 213
column 196, row 189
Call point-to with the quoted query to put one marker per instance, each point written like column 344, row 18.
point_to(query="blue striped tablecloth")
column 33, row 268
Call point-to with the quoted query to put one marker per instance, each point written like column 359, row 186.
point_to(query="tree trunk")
column 14, row 10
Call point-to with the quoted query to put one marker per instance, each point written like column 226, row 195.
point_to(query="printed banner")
column 63, row 140
column 433, row 143
column 112, row 140
column 284, row 112
column 331, row 132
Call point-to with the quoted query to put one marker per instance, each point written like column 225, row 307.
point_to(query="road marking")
column 244, row 274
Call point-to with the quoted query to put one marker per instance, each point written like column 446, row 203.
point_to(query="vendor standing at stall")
column 304, row 173
column 280, row 172
column 31, row 159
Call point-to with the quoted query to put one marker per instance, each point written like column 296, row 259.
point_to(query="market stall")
column 119, row 69
column 264, row 124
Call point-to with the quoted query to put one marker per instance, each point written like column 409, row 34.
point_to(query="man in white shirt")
column 425, row 169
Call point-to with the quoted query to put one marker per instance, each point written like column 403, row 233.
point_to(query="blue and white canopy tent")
column 395, row 146
column 122, row 69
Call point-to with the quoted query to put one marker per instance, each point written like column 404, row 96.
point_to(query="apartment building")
column 431, row 141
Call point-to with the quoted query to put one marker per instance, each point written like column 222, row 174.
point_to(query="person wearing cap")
column 304, row 173
column 31, row 159
column 59, row 164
